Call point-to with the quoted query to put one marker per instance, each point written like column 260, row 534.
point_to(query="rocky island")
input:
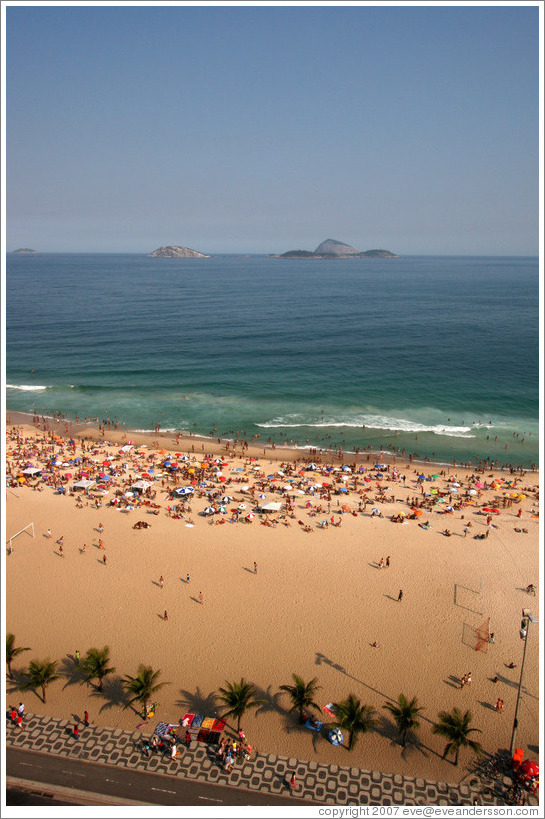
column 332, row 249
column 177, row 252
column 25, row 251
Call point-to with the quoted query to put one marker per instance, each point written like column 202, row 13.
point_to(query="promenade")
column 264, row 773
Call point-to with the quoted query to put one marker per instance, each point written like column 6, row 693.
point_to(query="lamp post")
column 526, row 620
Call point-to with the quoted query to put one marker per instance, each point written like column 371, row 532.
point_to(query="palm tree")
column 354, row 717
column 239, row 697
column 95, row 665
column 405, row 714
column 455, row 727
column 12, row 651
column 301, row 694
column 40, row 674
column 143, row 685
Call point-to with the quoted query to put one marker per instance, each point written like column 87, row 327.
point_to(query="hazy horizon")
column 264, row 129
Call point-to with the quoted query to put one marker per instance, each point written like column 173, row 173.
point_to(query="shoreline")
column 173, row 440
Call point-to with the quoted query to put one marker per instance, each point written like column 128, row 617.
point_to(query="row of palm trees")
column 238, row 697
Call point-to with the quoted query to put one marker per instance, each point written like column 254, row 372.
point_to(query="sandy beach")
column 316, row 604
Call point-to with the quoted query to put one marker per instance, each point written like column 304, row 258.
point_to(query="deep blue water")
column 349, row 352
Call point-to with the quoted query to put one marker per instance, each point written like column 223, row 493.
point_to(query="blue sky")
column 263, row 129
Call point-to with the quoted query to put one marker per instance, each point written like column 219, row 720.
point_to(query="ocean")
column 437, row 357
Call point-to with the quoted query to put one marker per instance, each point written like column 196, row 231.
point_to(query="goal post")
column 29, row 528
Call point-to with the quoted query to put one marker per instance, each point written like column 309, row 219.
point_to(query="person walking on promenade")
column 293, row 785
column 13, row 716
column 20, row 722
column 21, row 709
column 400, row 596
column 161, row 582
column 76, row 731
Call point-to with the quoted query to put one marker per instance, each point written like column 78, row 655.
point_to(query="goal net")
column 477, row 637
column 29, row 529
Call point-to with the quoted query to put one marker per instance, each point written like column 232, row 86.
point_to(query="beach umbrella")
column 226, row 499
column 345, row 508
column 335, row 736
column 454, row 491
column 209, row 511
column 435, row 476
column 250, row 516
column 479, row 485
column 262, row 496
column 417, row 512
column 471, row 491
column 241, row 507
column 529, row 768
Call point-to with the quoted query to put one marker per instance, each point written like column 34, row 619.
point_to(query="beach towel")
column 219, row 725
column 161, row 729
column 197, row 721
column 208, row 722
column 313, row 725
column 189, row 718
column 329, row 709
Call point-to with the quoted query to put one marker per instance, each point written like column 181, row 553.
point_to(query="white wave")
column 26, row 387
column 378, row 422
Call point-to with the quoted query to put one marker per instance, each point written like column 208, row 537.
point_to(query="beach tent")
column 272, row 506
column 141, row 485
column 83, row 484
column 32, row 470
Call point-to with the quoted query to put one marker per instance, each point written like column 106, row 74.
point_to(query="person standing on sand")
column 201, row 598
column 255, row 567
column 104, row 559
column 499, row 705
column 187, row 578
column 161, row 581
column 388, row 562
column 100, row 528
column 48, row 534
column 165, row 615
column 76, row 656
column 400, row 596
column 86, row 718
column 61, row 550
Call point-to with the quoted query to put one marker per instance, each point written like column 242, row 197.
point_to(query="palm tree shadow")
column 293, row 726
column 113, row 693
column 271, row 701
column 198, row 703
column 321, row 658
column 17, row 679
column 72, row 673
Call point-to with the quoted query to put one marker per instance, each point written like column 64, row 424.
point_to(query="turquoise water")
column 437, row 356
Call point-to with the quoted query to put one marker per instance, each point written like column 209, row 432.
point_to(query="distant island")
column 28, row 251
column 332, row 249
column 177, row 252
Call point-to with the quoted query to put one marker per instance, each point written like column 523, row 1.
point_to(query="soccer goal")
column 477, row 637
column 29, row 529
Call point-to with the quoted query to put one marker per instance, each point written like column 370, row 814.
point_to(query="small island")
column 25, row 251
column 332, row 249
column 177, row 252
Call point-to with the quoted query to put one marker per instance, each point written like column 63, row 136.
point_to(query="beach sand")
column 315, row 606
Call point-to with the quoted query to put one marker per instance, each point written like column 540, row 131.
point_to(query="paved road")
column 116, row 784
